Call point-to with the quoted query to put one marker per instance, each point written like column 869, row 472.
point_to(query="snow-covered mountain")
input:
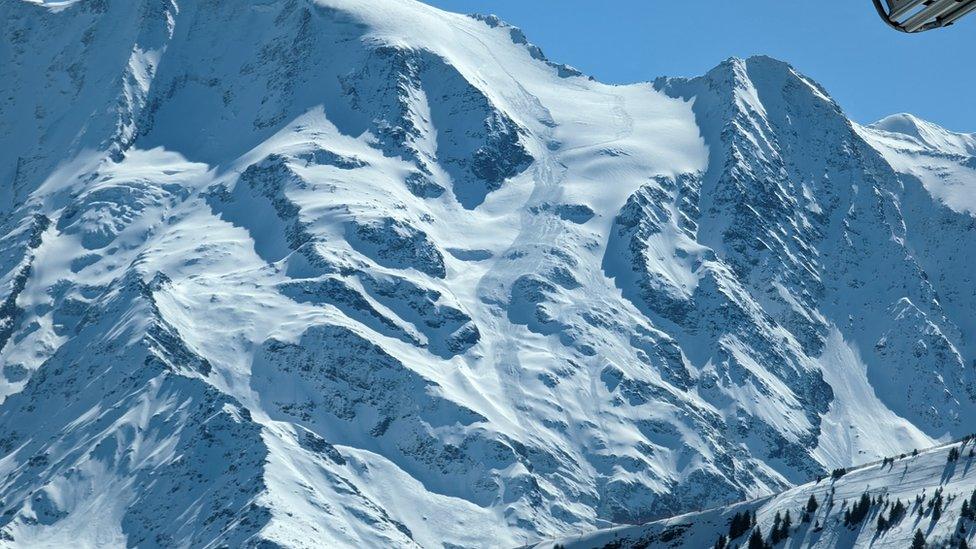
column 929, row 494
column 365, row 273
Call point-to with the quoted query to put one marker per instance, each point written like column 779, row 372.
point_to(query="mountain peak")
column 905, row 123
column 765, row 62
column 754, row 83
column 927, row 134
column 759, row 70
column 942, row 160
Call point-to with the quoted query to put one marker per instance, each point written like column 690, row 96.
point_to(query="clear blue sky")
column 871, row 70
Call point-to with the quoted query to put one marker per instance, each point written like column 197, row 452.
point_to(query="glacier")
column 305, row 273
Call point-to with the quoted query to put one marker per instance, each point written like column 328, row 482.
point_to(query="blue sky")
column 871, row 70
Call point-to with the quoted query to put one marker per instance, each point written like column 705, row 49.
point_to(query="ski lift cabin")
column 923, row 15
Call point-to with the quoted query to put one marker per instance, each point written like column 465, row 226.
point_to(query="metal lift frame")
column 913, row 16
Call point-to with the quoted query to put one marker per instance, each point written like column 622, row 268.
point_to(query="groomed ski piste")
column 936, row 487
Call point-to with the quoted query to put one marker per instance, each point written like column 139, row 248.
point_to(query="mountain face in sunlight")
column 365, row 273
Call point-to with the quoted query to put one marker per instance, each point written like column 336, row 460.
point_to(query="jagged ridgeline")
column 365, row 273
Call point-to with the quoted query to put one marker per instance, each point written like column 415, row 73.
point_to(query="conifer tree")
column 857, row 512
column 812, row 504
column 756, row 540
column 741, row 523
column 919, row 541
column 774, row 534
column 898, row 511
column 937, row 508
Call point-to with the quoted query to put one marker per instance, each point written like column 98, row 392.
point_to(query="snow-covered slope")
column 944, row 161
column 883, row 504
column 365, row 273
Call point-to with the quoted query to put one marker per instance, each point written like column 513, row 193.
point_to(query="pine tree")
column 741, row 523
column 722, row 543
column 857, row 512
column 784, row 529
column 756, row 540
column 774, row 534
column 898, row 512
column 919, row 541
column 937, row 508
column 812, row 504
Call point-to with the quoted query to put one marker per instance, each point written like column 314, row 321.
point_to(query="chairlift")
column 923, row 15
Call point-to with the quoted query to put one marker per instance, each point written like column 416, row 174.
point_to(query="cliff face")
column 360, row 272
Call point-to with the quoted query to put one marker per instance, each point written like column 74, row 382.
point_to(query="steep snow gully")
column 322, row 273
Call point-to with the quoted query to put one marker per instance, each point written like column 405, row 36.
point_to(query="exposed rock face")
column 364, row 273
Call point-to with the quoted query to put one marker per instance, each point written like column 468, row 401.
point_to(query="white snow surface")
column 944, row 161
column 308, row 273
column 917, row 480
